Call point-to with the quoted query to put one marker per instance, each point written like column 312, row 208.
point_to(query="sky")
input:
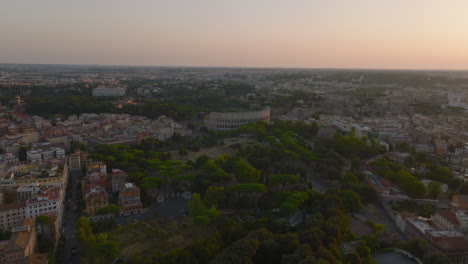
column 372, row 34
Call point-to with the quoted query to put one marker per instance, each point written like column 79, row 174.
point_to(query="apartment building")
column 12, row 214
column 48, row 201
column 129, row 199
column 21, row 248
column 45, row 154
column 118, row 179
column 27, row 191
column 95, row 199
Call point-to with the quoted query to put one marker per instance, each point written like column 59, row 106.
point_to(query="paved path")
column 318, row 183
column 168, row 209
column 382, row 217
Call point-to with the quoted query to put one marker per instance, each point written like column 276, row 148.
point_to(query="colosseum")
column 222, row 121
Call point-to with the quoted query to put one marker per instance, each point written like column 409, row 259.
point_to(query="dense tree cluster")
column 95, row 248
column 397, row 174
column 350, row 146
column 263, row 186
column 199, row 212
column 421, row 209
column 75, row 105
column 293, row 202
column 266, row 240
column 109, row 209
column 417, row 247
column 178, row 102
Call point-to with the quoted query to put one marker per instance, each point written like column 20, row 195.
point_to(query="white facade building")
column 34, row 155
column 11, row 215
column 46, row 154
column 49, row 201
column 27, row 191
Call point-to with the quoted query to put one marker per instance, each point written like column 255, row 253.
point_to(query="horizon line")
column 236, row 67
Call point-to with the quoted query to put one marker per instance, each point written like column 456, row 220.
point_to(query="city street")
column 70, row 217
column 318, row 183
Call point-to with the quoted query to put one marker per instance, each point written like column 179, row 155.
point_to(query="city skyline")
column 273, row 34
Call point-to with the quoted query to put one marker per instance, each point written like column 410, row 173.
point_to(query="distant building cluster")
column 446, row 138
column 45, row 154
column 457, row 100
column 98, row 184
column 107, row 91
column 445, row 231
column 105, row 129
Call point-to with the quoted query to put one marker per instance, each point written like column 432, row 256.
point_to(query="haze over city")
column 379, row 34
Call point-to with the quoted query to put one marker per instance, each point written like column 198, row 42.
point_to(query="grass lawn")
column 148, row 237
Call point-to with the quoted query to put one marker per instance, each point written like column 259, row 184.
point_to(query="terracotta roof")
column 11, row 206
column 18, row 242
column 96, row 191
column 450, row 216
column 385, row 182
column 22, row 115
column 451, row 243
column 408, row 215
column 460, row 198
column 48, row 193
column 28, row 221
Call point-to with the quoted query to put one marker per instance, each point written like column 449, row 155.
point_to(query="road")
column 378, row 214
column 318, row 183
column 71, row 215
column 168, row 209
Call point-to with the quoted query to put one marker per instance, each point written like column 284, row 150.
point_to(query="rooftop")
column 451, row 243
column 47, row 193
column 460, row 198
column 408, row 215
column 422, row 227
column 12, row 206
column 28, row 187
column 129, row 185
column 20, row 238
column 449, row 215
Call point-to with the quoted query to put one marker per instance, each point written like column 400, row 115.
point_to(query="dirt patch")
column 216, row 151
column 360, row 228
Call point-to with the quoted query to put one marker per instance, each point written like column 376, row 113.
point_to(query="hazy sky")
column 256, row 33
